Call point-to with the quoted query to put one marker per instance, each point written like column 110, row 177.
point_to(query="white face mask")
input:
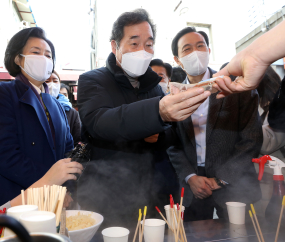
column 136, row 63
column 53, row 88
column 195, row 63
column 38, row 67
column 163, row 86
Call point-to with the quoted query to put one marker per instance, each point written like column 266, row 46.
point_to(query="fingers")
column 74, row 170
column 67, row 160
column 223, row 72
column 182, row 96
column 75, row 164
column 71, row 177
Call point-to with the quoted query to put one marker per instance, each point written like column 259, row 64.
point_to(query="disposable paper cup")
column 168, row 213
column 115, row 234
column 154, row 230
column 16, row 212
column 236, row 212
column 39, row 221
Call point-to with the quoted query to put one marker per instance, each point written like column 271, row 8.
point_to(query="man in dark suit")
column 120, row 105
column 217, row 142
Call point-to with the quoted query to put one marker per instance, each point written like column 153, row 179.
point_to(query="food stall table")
column 217, row 230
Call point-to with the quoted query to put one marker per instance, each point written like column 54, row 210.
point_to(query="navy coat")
column 27, row 150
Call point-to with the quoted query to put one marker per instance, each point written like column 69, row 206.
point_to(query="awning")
column 25, row 11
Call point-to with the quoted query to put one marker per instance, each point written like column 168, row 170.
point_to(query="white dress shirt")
column 199, row 120
column 39, row 90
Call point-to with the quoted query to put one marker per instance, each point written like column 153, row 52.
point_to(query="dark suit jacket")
column 233, row 138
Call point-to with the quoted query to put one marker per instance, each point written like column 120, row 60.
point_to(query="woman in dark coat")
column 34, row 131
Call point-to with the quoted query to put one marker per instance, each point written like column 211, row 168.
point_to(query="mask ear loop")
column 117, row 48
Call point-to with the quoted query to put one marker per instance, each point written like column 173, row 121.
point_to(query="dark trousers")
column 203, row 209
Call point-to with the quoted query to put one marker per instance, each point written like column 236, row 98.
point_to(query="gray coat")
column 233, row 138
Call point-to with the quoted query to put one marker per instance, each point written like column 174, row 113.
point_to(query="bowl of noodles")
column 82, row 225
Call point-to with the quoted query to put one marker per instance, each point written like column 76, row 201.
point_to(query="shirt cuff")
column 188, row 177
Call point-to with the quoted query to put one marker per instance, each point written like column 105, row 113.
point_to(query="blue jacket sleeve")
column 14, row 164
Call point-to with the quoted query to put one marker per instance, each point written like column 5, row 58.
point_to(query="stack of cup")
column 154, row 230
column 16, row 212
column 115, row 234
column 39, row 221
column 236, row 212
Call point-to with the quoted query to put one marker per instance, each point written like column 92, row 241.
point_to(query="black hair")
column 267, row 88
column 18, row 42
column 128, row 19
column 62, row 85
column 174, row 44
column 159, row 62
column 178, row 75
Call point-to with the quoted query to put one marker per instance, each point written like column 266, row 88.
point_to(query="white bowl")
column 84, row 235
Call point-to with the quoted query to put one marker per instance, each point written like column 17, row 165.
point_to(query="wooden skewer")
column 23, row 197
column 42, row 198
column 144, row 214
column 60, row 205
column 250, row 214
column 163, row 218
column 173, row 217
column 139, row 221
column 179, row 219
column 256, row 220
column 54, row 203
column 140, row 230
column 280, row 218
column 180, row 228
column 182, row 217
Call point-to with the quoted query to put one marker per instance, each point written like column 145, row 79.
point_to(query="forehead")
column 54, row 76
column 190, row 38
column 158, row 69
column 63, row 89
column 37, row 42
column 142, row 30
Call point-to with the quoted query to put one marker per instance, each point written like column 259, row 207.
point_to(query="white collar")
column 39, row 90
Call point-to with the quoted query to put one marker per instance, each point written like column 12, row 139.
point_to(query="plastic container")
column 236, row 212
column 154, row 230
column 169, row 214
column 115, row 234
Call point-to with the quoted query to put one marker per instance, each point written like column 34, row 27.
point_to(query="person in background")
column 120, row 105
column 273, row 140
column 217, row 142
column 164, row 70
column 178, row 75
column 34, row 132
column 165, row 180
column 60, row 91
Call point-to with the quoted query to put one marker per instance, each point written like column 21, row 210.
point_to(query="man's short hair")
column 128, row 19
column 178, row 75
column 159, row 62
column 174, row 44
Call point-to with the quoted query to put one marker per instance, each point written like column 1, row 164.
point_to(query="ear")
column 178, row 61
column 209, row 51
column 17, row 60
column 114, row 46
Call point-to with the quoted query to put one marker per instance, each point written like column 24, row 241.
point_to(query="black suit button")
column 33, row 143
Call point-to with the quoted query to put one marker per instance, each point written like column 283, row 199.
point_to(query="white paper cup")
column 168, row 213
column 115, row 234
column 39, row 221
column 154, row 230
column 16, row 212
column 236, row 212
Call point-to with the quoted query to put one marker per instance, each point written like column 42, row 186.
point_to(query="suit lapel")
column 189, row 129
column 213, row 113
column 30, row 98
